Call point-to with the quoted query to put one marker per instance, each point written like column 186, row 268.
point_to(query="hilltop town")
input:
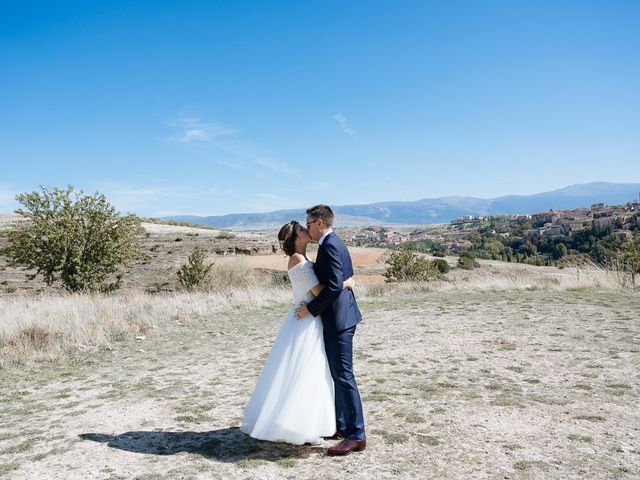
column 548, row 225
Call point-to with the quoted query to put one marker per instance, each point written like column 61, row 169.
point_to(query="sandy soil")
column 360, row 256
column 455, row 385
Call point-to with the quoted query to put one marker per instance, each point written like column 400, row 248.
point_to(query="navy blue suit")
column 340, row 315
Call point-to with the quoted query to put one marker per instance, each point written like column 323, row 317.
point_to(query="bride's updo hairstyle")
column 287, row 237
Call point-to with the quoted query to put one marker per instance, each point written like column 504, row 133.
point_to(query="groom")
column 340, row 315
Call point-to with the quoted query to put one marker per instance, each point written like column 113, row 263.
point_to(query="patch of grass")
column 286, row 462
column 54, row 451
column 523, row 465
column 21, row 447
column 62, row 395
column 512, row 446
column 7, row 467
column 507, row 399
column 250, row 463
column 533, row 381
column 594, row 365
column 415, row 418
column 580, row 438
column 187, row 419
column 516, row 369
column 431, row 440
column 447, row 385
column 494, row 386
column 582, row 386
column 506, row 345
column 547, row 400
column 619, row 386
column 110, row 394
column 591, row 418
column 391, row 438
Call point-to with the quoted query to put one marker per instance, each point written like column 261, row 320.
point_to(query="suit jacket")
column 337, row 305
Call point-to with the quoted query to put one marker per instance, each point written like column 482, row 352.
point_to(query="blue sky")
column 214, row 107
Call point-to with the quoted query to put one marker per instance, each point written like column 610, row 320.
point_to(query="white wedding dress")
column 293, row 400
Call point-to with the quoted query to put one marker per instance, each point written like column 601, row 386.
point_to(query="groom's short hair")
column 323, row 212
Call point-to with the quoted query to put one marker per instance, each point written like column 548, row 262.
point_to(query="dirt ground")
column 360, row 256
column 455, row 385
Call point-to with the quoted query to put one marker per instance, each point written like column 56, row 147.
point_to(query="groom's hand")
column 302, row 311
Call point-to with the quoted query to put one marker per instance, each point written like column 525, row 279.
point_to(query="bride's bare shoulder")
column 295, row 259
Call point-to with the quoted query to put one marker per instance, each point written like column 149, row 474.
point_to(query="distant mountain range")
column 435, row 210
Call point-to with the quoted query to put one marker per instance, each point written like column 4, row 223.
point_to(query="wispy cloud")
column 143, row 198
column 193, row 129
column 344, row 125
column 239, row 153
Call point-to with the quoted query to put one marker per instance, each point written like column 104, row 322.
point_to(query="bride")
column 293, row 400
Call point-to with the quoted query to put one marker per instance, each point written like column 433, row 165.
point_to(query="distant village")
column 552, row 224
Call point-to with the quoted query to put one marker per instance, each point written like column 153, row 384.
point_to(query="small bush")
column 467, row 261
column 438, row 253
column 441, row 265
column 194, row 274
column 405, row 266
column 225, row 235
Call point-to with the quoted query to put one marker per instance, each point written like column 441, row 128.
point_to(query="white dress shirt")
column 324, row 236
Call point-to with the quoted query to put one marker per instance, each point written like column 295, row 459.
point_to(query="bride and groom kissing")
column 307, row 390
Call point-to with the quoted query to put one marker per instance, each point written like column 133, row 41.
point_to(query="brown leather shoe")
column 339, row 434
column 347, row 446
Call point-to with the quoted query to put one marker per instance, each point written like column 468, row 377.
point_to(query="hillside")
column 437, row 210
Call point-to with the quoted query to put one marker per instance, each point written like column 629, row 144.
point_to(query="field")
column 505, row 372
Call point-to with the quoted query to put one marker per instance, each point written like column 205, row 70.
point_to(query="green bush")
column 467, row 261
column 195, row 274
column 441, row 265
column 630, row 257
column 81, row 241
column 405, row 265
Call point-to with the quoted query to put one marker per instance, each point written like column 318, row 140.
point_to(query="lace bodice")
column 302, row 279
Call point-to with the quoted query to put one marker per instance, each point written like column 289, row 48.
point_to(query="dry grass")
column 52, row 326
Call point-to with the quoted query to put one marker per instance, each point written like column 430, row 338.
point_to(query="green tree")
column 195, row 273
column 405, row 265
column 631, row 259
column 81, row 241
column 559, row 251
column 467, row 261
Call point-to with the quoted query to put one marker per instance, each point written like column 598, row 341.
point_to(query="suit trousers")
column 349, row 414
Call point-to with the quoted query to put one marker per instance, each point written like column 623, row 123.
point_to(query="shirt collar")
column 323, row 237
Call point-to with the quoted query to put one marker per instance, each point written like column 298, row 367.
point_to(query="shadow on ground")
column 227, row 445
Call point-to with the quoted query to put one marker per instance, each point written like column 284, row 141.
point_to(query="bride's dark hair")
column 287, row 237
